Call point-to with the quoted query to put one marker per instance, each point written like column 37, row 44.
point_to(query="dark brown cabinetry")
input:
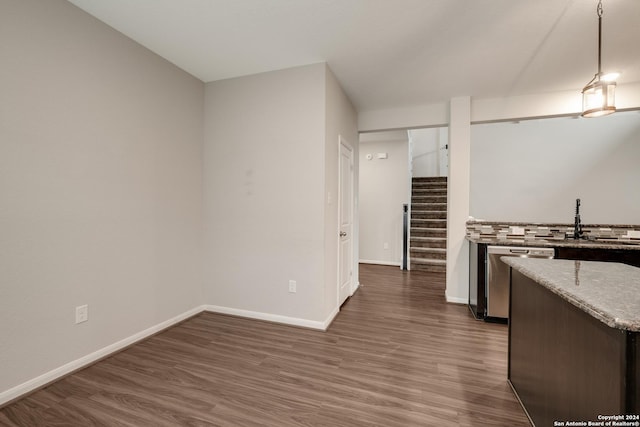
column 563, row 363
column 477, row 279
column 626, row 256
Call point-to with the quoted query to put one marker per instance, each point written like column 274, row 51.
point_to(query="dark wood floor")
column 396, row 355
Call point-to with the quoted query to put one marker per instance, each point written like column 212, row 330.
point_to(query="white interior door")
column 345, row 251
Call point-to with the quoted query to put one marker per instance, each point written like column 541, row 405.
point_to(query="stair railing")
column 405, row 235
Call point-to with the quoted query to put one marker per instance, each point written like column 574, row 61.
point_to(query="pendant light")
column 598, row 96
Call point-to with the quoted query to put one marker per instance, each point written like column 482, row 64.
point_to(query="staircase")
column 428, row 244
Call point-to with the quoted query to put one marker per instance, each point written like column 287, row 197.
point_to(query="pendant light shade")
column 598, row 96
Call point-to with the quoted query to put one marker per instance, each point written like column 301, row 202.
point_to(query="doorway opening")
column 404, row 167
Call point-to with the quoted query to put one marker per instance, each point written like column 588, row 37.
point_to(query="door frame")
column 348, row 146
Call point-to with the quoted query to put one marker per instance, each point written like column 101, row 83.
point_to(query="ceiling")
column 391, row 53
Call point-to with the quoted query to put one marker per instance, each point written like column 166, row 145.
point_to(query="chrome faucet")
column 577, row 227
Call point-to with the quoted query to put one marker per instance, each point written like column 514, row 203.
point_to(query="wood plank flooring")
column 396, row 355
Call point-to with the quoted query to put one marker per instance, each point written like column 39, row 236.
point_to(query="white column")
column 457, row 289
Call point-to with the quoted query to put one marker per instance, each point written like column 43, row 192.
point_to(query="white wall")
column 100, row 188
column 534, row 170
column 429, row 152
column 384, row 188
column 102, row 195
column 404, row 118
column 341, row 121
column 457, row 289
column 268, row 160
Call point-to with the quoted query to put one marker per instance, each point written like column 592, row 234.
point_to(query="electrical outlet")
column 292, row 286
column 386, row 245
column 82, row 313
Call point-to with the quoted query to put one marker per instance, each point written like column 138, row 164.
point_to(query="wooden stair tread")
column 421, row 249
column 429, row 192
column 429, row 206
column 429, row 223
column 443, row 210
column 429, row 178
column 428, row 261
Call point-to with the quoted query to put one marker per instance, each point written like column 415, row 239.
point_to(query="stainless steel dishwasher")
column 498, row 276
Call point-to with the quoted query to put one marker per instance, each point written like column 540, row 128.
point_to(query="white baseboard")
column 294, row 321
column 370, row 261
column 46, row 378
column 456, row 300
column 355, row 288
column 330, row 318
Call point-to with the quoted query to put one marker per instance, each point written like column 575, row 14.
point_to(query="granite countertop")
column 608, row 291
column 554, row 243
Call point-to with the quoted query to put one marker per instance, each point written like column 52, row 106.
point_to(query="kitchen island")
column 574, row 347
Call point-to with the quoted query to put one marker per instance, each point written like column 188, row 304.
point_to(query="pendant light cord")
column 599, row 11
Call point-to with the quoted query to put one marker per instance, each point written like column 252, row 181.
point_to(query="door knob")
column 343, row 234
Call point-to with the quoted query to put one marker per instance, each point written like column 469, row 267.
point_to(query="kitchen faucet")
column 577, row 227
